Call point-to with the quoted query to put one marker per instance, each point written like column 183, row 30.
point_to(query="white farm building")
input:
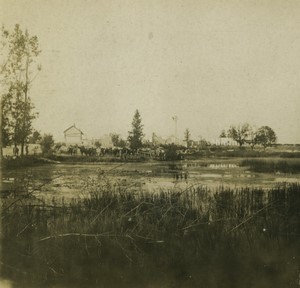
column 73, row 135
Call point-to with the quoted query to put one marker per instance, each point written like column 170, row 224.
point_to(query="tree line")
column 246, row 134
column 18, row 69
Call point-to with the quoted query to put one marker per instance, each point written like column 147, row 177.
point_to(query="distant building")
column 225, row 141
column 157, row 140
column 73, row 135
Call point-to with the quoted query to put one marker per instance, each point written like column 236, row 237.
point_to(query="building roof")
column 73, row 126
column 171, row 139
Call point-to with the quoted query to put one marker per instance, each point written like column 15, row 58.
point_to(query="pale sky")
column 211, row 63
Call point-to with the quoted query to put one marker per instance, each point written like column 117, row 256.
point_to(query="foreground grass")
column 192, row 238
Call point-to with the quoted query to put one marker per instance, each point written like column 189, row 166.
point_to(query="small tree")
column 171, row 152
column 122, row 143
column 223, row 134
column 117, row 141
column 47, row 143
column 136, row 135
column 239, row 133
column 187, row 137
column 203, row 143
column 265, row 136
column 98, row 144
column 35, row 137
column 115, row 138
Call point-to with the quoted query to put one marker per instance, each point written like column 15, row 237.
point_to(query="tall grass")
column 290, row 154
column 115, row 237
column 273, row 166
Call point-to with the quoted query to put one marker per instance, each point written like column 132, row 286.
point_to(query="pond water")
column 67, row 180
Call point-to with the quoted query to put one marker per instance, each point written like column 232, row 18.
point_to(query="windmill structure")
column 175, row 118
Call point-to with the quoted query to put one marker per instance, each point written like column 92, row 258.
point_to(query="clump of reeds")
column 123, row 238
column 272, row 166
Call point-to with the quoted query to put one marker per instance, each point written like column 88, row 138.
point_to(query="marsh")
column 205, row 223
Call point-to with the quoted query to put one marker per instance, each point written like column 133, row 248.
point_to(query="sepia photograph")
column 150, row 144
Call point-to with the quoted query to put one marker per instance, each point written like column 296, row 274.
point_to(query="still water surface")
column 65, row 180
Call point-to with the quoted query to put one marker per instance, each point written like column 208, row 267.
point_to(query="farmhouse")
column 73, row 135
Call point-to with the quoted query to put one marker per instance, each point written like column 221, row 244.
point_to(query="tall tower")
column 175, row 118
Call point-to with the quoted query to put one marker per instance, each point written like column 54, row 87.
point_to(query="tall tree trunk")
column 1, row 145
column 1, row 140
column 24, row 134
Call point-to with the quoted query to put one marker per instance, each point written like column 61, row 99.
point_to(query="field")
column 194, row 223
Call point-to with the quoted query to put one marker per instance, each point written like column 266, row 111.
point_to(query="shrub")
column 47, row 143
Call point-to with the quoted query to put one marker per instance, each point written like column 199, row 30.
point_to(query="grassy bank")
column 100, row 159
column 117, row 238
column 243, row 152
column 25, row 161
column 31, row 161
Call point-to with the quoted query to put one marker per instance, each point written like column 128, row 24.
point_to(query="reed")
column 118, row 237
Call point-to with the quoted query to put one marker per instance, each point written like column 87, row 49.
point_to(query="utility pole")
column 175, row 118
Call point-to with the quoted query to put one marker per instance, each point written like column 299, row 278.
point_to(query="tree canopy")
column 265, row 136
column 239, row 133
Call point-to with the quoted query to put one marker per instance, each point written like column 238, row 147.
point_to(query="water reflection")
column 222, row 165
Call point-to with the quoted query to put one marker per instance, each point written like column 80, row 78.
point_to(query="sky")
column 211, row 63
